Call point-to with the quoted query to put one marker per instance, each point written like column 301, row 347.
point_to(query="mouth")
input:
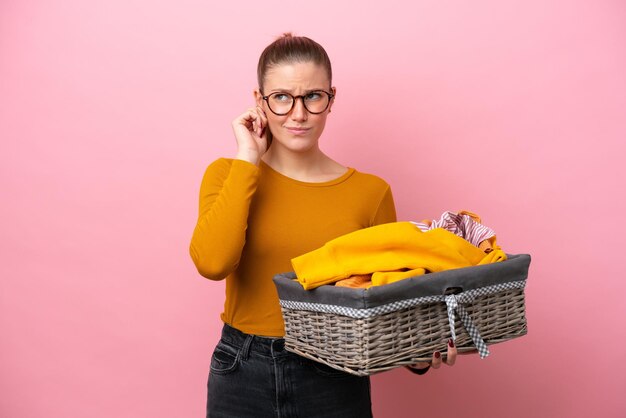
column 297, row 130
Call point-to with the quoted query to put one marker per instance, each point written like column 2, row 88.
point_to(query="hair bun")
column 288, row 49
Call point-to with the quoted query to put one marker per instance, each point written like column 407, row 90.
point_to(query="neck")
column 297, row 165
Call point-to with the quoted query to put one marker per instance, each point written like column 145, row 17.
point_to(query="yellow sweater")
column 388, row 248
column 253, row 220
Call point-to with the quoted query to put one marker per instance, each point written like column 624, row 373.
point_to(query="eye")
column 281, row 97
column 313, row 96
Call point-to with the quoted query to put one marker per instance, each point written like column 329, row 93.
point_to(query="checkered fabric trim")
column 397, row 305
column 454, row 303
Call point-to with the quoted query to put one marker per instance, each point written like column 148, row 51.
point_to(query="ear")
column 333, row 90
column 258, row 98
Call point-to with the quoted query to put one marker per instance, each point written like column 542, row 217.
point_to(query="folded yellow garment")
column 494, row 256
column 388, row 247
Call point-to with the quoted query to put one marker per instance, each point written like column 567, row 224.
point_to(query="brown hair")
column 289, row 49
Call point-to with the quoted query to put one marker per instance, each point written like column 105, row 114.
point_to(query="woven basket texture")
column 372, row 345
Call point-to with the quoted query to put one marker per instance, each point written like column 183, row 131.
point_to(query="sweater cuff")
column 418, row 371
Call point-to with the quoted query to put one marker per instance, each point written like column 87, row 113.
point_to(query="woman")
column 279, row 198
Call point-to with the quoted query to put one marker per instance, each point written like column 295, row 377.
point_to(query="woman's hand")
column 435, row 363
column 250, row 130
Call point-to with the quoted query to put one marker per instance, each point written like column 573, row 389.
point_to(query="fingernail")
column 437, row 354
column 450, row 343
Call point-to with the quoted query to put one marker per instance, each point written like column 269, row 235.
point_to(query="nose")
column 299, row 112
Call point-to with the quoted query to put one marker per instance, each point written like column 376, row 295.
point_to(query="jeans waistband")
column 263, row 345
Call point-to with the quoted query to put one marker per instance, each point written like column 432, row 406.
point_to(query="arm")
column 225, row 195
column 219, row 236
column 386, row 210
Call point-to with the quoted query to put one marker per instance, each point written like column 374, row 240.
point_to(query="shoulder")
column 370, row 180
column 228, row 170
column 377, row 194
column 217, row 170
column 368, row 186
column 223, row 166
column 220, row 164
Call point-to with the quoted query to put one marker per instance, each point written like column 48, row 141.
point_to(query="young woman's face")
column 299, row 130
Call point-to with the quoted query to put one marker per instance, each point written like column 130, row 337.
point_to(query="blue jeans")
column 256, row 377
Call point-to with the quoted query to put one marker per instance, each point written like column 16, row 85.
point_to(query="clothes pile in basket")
column 466, row 225
column 395, row 251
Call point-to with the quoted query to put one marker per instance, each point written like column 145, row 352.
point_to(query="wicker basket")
column 366, row 331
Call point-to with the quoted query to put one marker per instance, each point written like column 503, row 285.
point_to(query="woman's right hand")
column 250, row 130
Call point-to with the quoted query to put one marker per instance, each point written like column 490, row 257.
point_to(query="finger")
column 419, row 368
column 262, row 112
column 262, row 115
column 451, row 355
column 260, row 121
column 246, row 119
column 420, row 365
column 256, row 128
column 436, row 362
column 252, row 120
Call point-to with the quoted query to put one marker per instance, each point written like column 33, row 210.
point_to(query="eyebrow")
column 291, row 91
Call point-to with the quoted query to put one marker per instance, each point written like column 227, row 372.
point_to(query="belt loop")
column 245, row 350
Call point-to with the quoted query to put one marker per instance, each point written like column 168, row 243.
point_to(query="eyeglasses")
column 314, row 102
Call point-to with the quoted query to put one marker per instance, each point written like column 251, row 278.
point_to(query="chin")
column 296, row 143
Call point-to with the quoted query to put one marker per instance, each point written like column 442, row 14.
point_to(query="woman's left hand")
column 436, row 361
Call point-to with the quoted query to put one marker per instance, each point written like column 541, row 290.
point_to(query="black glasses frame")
column 293, row 101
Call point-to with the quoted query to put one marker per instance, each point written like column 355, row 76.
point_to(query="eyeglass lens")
column 282, row 103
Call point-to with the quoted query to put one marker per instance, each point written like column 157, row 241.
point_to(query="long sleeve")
column 219, row 236
column 386, row 211
column 253, row 220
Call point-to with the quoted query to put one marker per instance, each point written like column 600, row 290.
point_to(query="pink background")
column 110, row 112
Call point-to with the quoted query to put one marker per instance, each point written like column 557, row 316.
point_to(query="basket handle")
column 453, row 290
column 454, row 304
